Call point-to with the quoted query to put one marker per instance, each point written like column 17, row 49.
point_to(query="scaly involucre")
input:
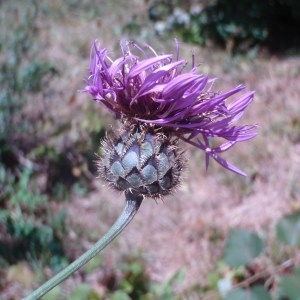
column 158, row 90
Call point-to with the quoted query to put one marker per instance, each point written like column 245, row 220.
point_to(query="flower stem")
column 133, row 202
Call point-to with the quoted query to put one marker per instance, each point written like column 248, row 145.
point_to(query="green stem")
column 133, row 202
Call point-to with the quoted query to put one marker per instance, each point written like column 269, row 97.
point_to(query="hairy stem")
column 133, row 202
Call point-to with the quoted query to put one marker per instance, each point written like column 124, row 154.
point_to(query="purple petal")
column 145, row 64
column 241, row 103
column 227, row 165
column 117, row 64
column 152, row 79
column 224, row 147
column 178, row 86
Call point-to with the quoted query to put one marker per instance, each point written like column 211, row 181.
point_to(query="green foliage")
column 289, row 287
column 237, row 25
column 93, row 264
column 240, row 250
column 255, row 293
column 33, row 77
column 288, row 229
column 83, row 292
column 29, row 229
column 39, row 162
column 21, row 70
column 35, row 233
column 129, row 282
column 135, row 280
column 120, row 295
column 54, row 294
column 227, row 23
column 166, row 289
column 29, row 134
column 242, row 247
column 136, row 284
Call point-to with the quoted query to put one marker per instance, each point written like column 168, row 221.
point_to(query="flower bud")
column 143, row 158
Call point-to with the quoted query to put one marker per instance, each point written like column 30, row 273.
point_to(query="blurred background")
column 220, row 236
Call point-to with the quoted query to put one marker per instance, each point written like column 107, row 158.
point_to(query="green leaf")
column 257, row 292
column 289, row 286
column 4, row 214
column 242, row 247
column 93, row 264
column 119, row 295
column 288, row 229
column 236, row 294
column 54, row 294
column 84, row 292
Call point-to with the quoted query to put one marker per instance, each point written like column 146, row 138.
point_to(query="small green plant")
column 254, row 272
column 35, row 234
column 135, row 283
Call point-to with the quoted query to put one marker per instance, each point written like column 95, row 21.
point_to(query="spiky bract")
column 142, row 158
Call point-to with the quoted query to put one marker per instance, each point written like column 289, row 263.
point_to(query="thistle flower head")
column 143, row 158
column 159, row 90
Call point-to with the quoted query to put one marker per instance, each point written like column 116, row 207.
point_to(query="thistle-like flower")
column 159, row 104
column 172, row 101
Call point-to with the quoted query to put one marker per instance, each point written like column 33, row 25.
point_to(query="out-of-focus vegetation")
column 37, row 168
column 238, row 26
column 130, row 281
column 255, row 269
column 29, row 229
column 43, row 163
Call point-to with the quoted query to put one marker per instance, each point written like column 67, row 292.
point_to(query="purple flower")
column 158, row 90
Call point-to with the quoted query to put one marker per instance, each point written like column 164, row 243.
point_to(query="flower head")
column 158, row 90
